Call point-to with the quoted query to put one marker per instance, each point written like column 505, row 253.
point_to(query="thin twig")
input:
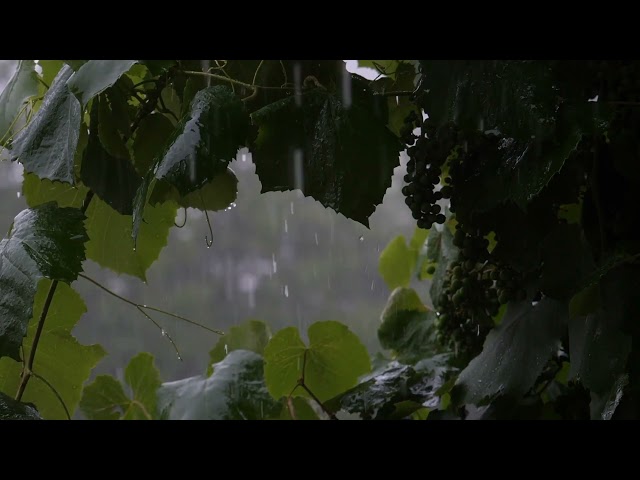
column 55, row 392
column 255, row 75
column 162, row 331
column 311, row 394
column 141, row 306
column 233, row 81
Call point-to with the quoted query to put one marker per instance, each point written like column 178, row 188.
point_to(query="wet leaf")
column 332, row 362
column 45, row 241
column 149, row 141
column 397, row 262
column 61, row 360
column 235, row 391
column 252, row 335
column 515, row 352
column 11, row 409
column 48, row 144
column 95, row 76
column 320, row 144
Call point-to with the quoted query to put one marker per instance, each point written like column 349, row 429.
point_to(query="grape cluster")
column 427, row 152
column 474, row 289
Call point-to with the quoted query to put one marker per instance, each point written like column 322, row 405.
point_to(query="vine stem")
column 55, row 392
column 234, row 81
column 304, row 386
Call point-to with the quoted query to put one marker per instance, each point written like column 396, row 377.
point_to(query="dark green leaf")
column 45, row 241
column 104, row 399
column 48, row 144
column 332, row 362
column 22, row 86
column 252, row 335
column 149, row 141
column 301, row 409
column 515, row 352
column 119, row 107
column 95, row 76
column 113, row 179
column 319, row 143
column 407, row 326
column 585, row 302
column 397, row 262
column 108, row 130
column 215, row 195
column 235, row 391
column 566, row 260
column 156, row 67
column 205, row 140
column 37, row 192
column 61, row 360
column 111, row 243
column 11, row 409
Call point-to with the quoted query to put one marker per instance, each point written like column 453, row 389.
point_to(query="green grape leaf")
column 407, row 326
column 235, row 391
column 50, row 69
column 253, row 335
column 585, row 302
column 442, row 252
column 332, row 362
column 205, row 140
column 515, row 352
column 216, row 194
column 397, row 262
column 95, row 76
column 111, row 244
column 105, row 399
column 48, row 143
column 22, row 86
column 112, row 179
column 378, row 395
column 38, row 191
column 171, row 102
column 156, row 67
column 108, row 130
column 61, row 360
column 418, row 239
column 566, row 260
column 149, row 141
column 45, row 241
column 320, row 144
column 11, row 409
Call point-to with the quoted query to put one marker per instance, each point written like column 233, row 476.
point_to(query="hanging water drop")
column 179, row 357
column 163, row 332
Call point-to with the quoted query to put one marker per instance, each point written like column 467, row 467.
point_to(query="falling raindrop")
column 286, row 291
column 478, row 330
column 346, row 88
column 286, row 226
column 316, row 238
column 291, row 208
column 244, row 157
column 361, row 238
column 297, row 82
column 134, row 249
column 274, row 263
column 373, row 284
column 298, row 169
column 226, row 349
column 18, row 194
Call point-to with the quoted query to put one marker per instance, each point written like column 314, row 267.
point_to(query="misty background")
column 279, row 257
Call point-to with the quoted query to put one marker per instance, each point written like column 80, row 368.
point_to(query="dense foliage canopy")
column 522, row 180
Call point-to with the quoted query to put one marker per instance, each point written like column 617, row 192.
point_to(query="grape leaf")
column 396, row 263
column 61, row 360
column 317, row 143
column 253, row 335
column 201, row 146
column 235, row 391
column 38, row 191
column 442, row 252
column 50, row 69
column 113, row 179
column 108, row 129
column 149, row 141
column 95, row 76
column 105, row 399
column 11, row 409
column 216, row 194
column 75, row 64
column 48, row 143
column 45, row 241
column 515, row 352
column 111, row 243
column 22, row 86
column 156, row 67
column 332, row 362
column 407, row 326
